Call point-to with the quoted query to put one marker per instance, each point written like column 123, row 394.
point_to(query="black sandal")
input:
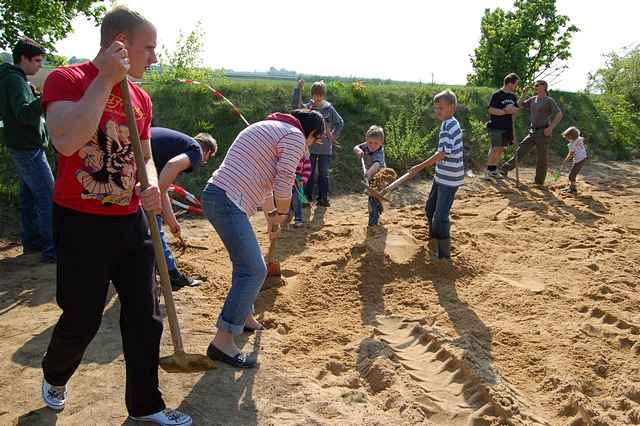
column 253, row 330
column 240, row 360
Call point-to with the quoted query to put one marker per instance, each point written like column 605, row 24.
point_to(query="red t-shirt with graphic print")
column 100, row 177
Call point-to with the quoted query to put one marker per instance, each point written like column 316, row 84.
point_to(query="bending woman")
column 259, row 168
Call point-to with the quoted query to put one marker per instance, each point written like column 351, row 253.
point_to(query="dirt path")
column 537, row 321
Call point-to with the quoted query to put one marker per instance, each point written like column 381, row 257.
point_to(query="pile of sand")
column 383, row 178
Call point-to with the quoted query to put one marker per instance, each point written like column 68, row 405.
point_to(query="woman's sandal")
column 252, row 330
column 240, row 360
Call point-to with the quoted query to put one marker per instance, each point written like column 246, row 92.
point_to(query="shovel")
column 515, row 155
column 396, row 183
column 370, row 191
column 180, row 361
column 273, row 267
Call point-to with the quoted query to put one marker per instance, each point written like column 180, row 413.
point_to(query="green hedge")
column 611, row 128
column 405, row 110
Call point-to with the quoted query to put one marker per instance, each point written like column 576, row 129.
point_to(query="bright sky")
column 400, row 40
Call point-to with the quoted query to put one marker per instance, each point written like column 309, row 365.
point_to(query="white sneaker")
column 488, row 175
column 54, row 396
column 166, row 417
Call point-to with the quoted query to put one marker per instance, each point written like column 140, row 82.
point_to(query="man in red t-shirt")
column 100, row 232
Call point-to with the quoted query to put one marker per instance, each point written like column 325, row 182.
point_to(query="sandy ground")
column 536, row 321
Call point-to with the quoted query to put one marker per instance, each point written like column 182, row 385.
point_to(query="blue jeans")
column 249, row 269
column 36, row 200
column 375, row 208
column 171, row 262
column 323, row 162
column 296, row 204
column 438, row 206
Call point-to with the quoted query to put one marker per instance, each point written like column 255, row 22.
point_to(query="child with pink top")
column 303, row 171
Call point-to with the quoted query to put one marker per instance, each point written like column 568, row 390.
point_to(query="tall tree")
column 45, row 21
column 532, row 40
column 620, row 75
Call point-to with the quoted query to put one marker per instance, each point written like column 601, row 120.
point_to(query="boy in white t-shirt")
column 577, row 152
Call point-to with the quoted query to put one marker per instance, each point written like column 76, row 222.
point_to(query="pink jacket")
column 304, row 170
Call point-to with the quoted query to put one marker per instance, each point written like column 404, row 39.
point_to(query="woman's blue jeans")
column 249, row 269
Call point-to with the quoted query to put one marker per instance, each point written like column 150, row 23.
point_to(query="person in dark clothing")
column 25, row 135
column 175, row 153
column 100, row 231
column 502, row 108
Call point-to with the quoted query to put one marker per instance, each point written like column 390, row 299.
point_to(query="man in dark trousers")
column 100, row 231
column 545, row 116
column 26, row 138
column 175, row 153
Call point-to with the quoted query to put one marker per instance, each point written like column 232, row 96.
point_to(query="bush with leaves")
column 620, row 75
column 623, row 125
column 404, row 139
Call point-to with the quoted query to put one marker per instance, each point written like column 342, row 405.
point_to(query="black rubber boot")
column 433, row 247
column 444, row 249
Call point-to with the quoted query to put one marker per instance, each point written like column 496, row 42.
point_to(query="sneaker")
column 323, row 203
column 298, row 224
column 570, row 190
column 179, row 280
column 166, row 417
column 54, row 396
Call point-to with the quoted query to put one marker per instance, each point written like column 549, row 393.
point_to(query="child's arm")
column 571, row 153
column 375, row 168
column 438, row 156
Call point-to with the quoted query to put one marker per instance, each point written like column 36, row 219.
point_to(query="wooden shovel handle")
column 161, row 262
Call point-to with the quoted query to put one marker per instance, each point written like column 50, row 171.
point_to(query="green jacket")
column 20, row 111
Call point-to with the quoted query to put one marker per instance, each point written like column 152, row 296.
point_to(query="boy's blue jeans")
column 171, row 262
column 323, row 162
column 375, row 208
column 438, row 206
column 249, row 269
column 36, row 200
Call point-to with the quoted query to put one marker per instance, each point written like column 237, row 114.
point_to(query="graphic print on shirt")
column 109, row 170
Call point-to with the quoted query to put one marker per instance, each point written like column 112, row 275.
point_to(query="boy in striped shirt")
column 449, row 175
